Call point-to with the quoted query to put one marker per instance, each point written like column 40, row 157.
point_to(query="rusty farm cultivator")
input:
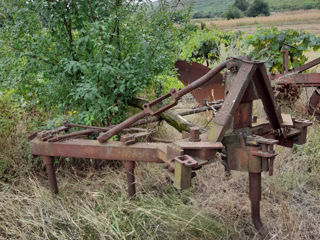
column 237, row 138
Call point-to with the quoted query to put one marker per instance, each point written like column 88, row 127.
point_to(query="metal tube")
column 285, row 60
column 48, row 161
column 129, row 166
column 117, row 129
column 255, row 197
column 307, row 65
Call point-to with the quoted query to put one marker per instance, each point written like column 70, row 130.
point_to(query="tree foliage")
column 241, row 4
column 205, row 45
column 233, row 13
column 267, row 43
column 87, row 58
column 257, row 8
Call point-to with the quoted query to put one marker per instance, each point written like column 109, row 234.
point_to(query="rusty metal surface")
column 289, row 82
column 211, row 91
column 285, row 60
column 265, row 93
column 130, row 166
column 49, row 163
column 300, row 80
column 117, row 129
column 314, row 102
column 83, row 148
column 198, row 145
column 232, row 101
column 243, row 116
column 255, row 197
column 186, row 160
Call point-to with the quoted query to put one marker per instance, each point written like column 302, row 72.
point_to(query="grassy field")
column 308, row 20
column 219, row 7
column 93, row 203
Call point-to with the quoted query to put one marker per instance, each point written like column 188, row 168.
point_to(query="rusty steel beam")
column 83, row 148
column 307, row 66
column 232, row 101
column 300, row 80
column 265, row 93
column 204, row 79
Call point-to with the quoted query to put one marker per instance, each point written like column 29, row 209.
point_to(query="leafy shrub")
column 241, row 4
column 257, row 8
column 232, row 13
column 87, row 57
column 267, row 44
column 205, row 46
column 203, row 15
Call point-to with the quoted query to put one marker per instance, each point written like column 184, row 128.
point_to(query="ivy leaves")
column 267, row 44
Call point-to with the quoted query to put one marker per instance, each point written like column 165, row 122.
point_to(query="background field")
column 307, row 20
column 302, row 20
column 218, row 7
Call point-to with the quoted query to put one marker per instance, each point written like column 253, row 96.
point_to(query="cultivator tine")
column 49, row 163
column 130, row 166
column 255, row 198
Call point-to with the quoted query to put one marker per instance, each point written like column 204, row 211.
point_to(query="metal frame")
column 244, row 143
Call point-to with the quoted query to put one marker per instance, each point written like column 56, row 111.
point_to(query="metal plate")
column 314, row 102
column 212, row 90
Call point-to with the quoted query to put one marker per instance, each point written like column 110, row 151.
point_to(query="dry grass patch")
column 283, row 18
column 96, row 206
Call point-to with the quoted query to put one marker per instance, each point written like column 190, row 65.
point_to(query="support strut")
column 48, row 161
column 129, row 166
column 255, row 197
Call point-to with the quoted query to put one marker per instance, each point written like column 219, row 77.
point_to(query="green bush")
column 205, row 45
column 267, row 43
column 257, row 8
column 232, row 13
column 241, row 4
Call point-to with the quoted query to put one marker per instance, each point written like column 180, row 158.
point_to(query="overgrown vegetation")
column 88, row 58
